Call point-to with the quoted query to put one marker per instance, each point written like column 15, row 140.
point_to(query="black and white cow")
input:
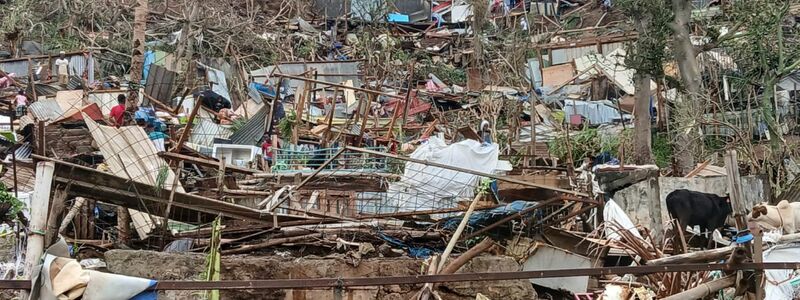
column 691, row 208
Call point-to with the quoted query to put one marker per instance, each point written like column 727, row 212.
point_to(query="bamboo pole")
column 454, row 239
column 79, row 201
column 693, row 257
column 704, row 289
column 39, row 208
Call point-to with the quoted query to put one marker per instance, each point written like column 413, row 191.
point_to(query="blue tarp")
column 149, row 58
column 413, row 251
column 480, row 219
column 147, row 295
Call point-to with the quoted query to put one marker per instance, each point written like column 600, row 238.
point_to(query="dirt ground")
column 170, row 266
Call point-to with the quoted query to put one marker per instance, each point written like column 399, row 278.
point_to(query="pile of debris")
column 392, row 158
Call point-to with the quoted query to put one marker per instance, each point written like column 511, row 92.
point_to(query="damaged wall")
column 175, row 266
column 67, row 140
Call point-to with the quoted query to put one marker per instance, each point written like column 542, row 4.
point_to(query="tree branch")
column 732, row 34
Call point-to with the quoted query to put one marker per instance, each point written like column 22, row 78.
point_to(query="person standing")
column 22, row 103
column 118, row 112
column 63, row 68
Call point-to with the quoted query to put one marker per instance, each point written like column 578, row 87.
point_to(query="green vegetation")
column 12, row 206
column 589, row 141
column 662, row 150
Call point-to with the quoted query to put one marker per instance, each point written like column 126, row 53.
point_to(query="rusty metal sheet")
column 159, row 85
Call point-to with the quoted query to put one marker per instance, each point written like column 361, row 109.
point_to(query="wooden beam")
column 189, row 122
column 473, row 172
column 105, row 187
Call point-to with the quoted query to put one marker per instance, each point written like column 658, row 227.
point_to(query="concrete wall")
column 177, row 266
column 640, row 203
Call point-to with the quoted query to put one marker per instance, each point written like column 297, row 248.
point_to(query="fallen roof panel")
column 106, row 187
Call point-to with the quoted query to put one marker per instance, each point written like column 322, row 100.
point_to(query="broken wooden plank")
column 106, row 187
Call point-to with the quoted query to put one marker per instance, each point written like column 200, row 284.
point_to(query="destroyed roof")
column 253, row 130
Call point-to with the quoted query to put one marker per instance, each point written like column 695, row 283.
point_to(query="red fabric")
column 117, row 113
column 267, row 148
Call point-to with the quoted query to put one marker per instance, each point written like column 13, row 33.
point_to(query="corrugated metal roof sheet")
column 330, row 71
column 18, row 67
column 46, row 110
column 78, row 64
column 219, row 84
column 26, row 177
column 159, row 84
column 205, row 131
column 253, row 130
column 105, row 100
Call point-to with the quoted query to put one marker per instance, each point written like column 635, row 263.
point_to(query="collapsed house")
column 326, row 179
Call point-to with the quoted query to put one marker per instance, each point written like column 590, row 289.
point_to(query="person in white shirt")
column 63, row 68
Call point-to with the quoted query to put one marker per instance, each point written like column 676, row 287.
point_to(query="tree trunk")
column 688, row 108
column 137, row 57
column 643, row 153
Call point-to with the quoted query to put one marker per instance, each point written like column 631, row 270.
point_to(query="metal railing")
column 292, row 161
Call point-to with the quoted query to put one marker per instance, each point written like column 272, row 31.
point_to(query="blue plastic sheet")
column 149, row 59
column 398, row 18
column 413, row 251
column 147, row 295
column 480, row 219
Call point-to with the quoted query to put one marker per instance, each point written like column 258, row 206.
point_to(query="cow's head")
column 724, row 202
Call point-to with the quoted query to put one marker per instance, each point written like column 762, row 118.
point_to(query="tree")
column 137, row 57
column 646, row 56
column 766, row 52
column 689, row 107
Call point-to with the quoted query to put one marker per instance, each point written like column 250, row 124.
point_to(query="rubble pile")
column 423, row 149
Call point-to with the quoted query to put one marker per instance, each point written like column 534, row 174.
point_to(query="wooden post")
column 31, row 81
column 758, row 257
column 367, row 108
column 735, row 188
column 123, row 225
column 329, row 121
column 407, row 98
column 220, row 178
column 189, row 122
column 56, row 207
column 14, row 157
column 38, row 210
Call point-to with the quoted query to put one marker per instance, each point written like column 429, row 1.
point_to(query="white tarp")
column 782, row 284
column 425, row 187
column 617, row 219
